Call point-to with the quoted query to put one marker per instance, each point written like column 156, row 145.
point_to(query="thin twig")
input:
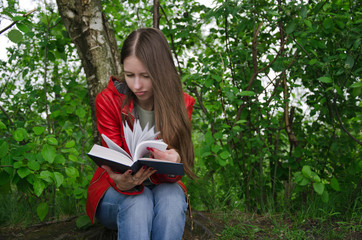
column 13, row 23
column 156, row 14
column 7, row 115
column 342, row 126
column 172, row 44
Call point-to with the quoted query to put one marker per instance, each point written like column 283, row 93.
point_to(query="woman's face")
column 138, row 80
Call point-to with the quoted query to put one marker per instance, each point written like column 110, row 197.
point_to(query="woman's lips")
column 140, row 93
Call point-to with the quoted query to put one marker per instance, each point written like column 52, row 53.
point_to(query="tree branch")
column 199, row 99
column 13, row 23
column 342, row 126
column 3, row 110
column 255, row 56
column 156, row 14
column 172, row 44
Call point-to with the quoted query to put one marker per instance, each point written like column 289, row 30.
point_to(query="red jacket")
column 109, row 122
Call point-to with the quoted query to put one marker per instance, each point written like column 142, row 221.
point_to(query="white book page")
column 148, row 134
column 128, row 136
column 138, row 140
column 110, row 154
column 137, row 134
column 112, row 145
column 141, row 149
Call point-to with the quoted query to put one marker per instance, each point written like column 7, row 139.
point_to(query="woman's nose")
column 137, row 83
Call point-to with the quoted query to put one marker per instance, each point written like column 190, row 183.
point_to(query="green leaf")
column 217, row 78
column 325, row 196
column 328, row 23
column 325, row 79
column 38, row 186
column 318, row 187
column 42, row 210
column 22, row 27
column 25, row 72
column 52, row 141
column 58, row 179
column 23, row 172
column 15, row 36
column 38, row 130
column 290, row 28
column 18, row 164
column 225, row 155
column 208, row 138
column 222, row 162
column 83, row 222
column 72, row 172
column 73, row 158
column 313, row 61
column 20, row 134
column 2, row 125
column 59, row 159
column 33, row 165
column 356, row 85
column 307, row 172
column 209, row 82
column 70, row 144
column 48, row 152
column 215, row 148
column 308, row 23
column 314, row 177
column 4, row 148
column 303, row 11
column 218, row 135
column 50, row 56
column 18, row 18
column 349, row 61
column 304, row 181
column 47, row 176
column 335, row 184
column 247, row 93
column 241, row 122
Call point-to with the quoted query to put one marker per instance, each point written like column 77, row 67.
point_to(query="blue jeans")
column 158, row 213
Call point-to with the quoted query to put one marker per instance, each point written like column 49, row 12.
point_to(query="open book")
column 137, row 141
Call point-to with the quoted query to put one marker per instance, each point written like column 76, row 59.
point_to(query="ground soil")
column 203, row 228
column 206, row 226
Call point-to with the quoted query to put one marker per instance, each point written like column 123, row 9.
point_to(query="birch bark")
column 96, row 45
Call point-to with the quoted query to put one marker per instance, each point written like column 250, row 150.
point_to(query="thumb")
column 108, row 169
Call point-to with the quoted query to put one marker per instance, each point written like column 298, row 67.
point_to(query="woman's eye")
column 129, row 75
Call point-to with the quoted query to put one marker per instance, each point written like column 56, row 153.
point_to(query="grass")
column 16, row 211
column 310, row 222
column 243, row 225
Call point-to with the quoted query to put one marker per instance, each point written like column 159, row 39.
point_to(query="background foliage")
column 277, row 123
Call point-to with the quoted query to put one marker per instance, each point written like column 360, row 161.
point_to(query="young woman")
column 144, row 205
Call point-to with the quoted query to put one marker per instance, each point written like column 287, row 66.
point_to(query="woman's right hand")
column 127, row 181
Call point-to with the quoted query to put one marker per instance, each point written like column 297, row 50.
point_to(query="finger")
column 138, row 178
column 146, row 173
column 159, row 154
column 151, row 173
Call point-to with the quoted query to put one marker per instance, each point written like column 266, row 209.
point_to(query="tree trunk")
column 96, row 45
column 156, row 14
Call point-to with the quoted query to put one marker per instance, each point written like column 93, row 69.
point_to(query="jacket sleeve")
column 108, row 117
column 162, row 178
column 109, row 122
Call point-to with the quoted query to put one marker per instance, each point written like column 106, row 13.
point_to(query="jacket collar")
column 120, row 88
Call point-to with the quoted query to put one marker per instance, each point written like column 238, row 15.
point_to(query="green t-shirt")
column 145, row 117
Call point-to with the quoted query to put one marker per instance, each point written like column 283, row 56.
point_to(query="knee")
column 138, row 204
column 169, row 197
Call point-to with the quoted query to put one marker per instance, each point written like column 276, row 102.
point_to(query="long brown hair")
column 150, row 46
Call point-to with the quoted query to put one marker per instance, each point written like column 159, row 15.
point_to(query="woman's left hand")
column 170, row 155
